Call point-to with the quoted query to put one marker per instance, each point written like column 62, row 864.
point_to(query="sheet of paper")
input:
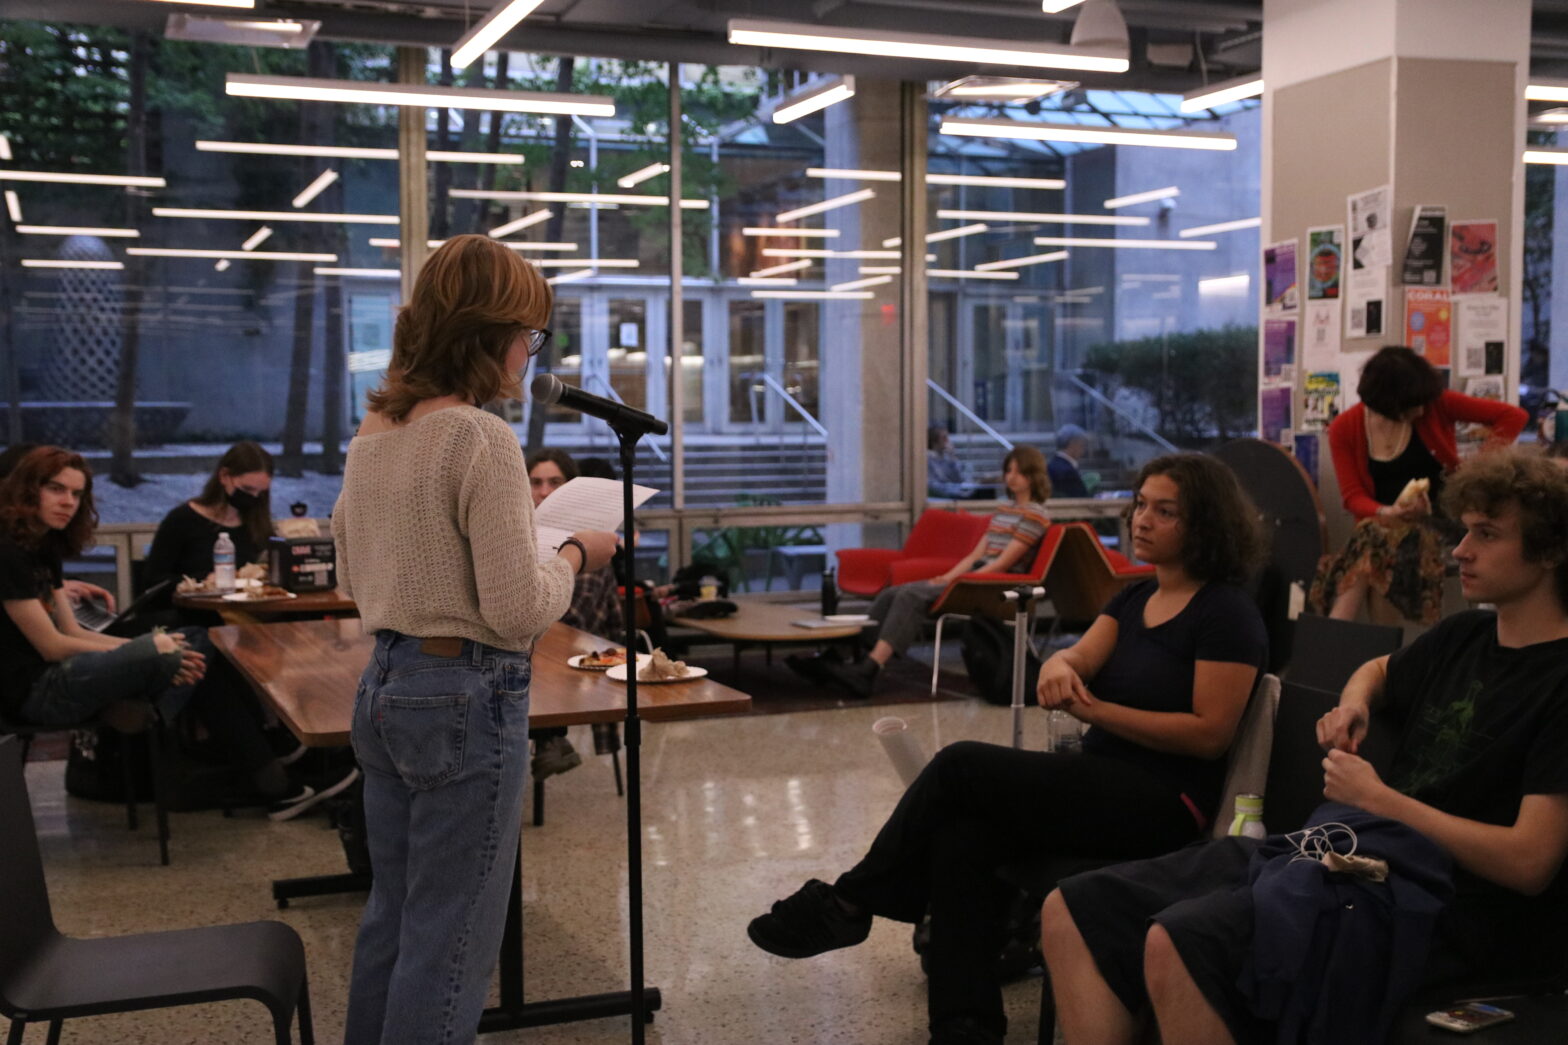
column 1320, row 336
column 1482, row 326
column 585, row 503
column 1319, row 400
column 1472, row 257
column 1279, row 275
column 1325, row 258
column 1366, row 298
column 1371, row 237
column 1425, row 248
column 1274, row 413
column 1279, row 351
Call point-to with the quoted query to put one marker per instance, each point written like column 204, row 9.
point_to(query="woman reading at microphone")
column 435, row 543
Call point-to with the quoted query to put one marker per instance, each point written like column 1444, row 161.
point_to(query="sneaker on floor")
column 554, row 755
column 859, row 679
column 965, row 1030
column 808, row 923
column 814, row 668
column 306, row 797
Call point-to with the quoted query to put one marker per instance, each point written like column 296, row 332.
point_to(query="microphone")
column 550, row 390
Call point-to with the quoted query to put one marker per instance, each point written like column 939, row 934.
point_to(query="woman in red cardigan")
column 1403, row 429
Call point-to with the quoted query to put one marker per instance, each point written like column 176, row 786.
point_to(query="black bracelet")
column 581, row 551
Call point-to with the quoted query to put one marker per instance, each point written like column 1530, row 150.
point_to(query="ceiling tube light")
column 880, row 270
column 5, row 148
column 489, row 29
column 311, row 89
column 1219, row 93
column 13, row 205
column 852, row 174
column 888, row 44
column 793, row 233
column 367, row 273
column 256, row 238
column 600, row 263
column 1551, row 116
column 846, row 200
column 970, row 274
column 1544, row 90
column 814, row 98
column 576, row 197
column 1060, row 219
column 782, row 252
column 214, row 3
column 1169, row 192
column 862, row 284
column 59, row 177
column 571, row 277
column 1126, row 244
column 653, row 170
column 1224, row 226
column 258, row 255
column 1052, row 7
column 995, row 181
column 222, row 265
column 1018, row 263
column 788, row 266
column 315, row 188
column 288, row 33
column 56, row 263
column 1061, row 132
column 1558, row 156
column 945, row 234
column 275, row 215
column 1001, row 88
column 765, row 281
column 815, row 295
column 1225, row 286
column 76, row 230
column 353, row 152
column 526, row 221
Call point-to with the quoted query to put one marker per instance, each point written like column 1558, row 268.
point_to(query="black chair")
column 1326, row 652
column 47, row 977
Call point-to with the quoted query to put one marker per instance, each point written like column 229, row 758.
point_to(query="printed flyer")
column 1320, row 402
column 1279, row 350
column 1320, row 335
column 1472, row 257
column 1325, row 255
column 1274, row 413
column 1481, row 334
column 1279, row 275
column 1429, row 324
column 1424, row 250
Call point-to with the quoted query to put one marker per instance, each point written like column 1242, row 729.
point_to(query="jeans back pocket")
column 424, row 736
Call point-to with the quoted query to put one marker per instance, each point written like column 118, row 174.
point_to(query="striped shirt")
column 1021, row 522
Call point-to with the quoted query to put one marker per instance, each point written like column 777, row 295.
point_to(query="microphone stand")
column 628, row 437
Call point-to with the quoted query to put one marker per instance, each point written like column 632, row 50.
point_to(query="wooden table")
column 308, row 672
column 305, row 604
column 768, row 624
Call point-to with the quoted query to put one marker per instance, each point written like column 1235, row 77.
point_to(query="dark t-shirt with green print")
column 1481, row 726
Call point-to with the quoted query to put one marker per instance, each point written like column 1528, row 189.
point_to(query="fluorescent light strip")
column 1018, row 263
column 1547, row 91
column 880, row 270
column 1169, row 192
column 222, row 265
column 75, row 230
column 1558, row 156
column 814, row 99
column 801, row 37
column 861, row 284
column 846, row 200
column 1551, row 116
column 974, row 273
column 793, row 233
column 1224, row 226
column 571, row 277
column 1060, row 219
column 53, row 263
column 788, row 266
column 1225, row 286
column 490, row 29
column 1220, row 93
column 316, row 188
column 259, row 255
column 815, row 295
column 367, row 273
column 599, row 263
column 1126, row 244
column 576, row 197
column 393, row 243
column 524, row 222
column 804, row 252
column 1058, row 132
column 759, row 281
column 350, row 152
column 311, row 89
column 274, row 215
column 996, row 181
column 215, row 3
column 13, row 205
column 58, row 177
column 257, row 238
column 5, row 148
column 653, row 170
column 1052, row 7
column 945, row 234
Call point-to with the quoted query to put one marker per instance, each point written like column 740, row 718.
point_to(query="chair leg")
column 54, row 1032
column 538, row 801
column 132, row 822
column 615, row 763
column 159, row 803
column 307, row 1027
column 936, row 652
column 1047, row 1010
column 14, row 1036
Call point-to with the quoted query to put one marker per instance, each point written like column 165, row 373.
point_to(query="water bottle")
column 223, row 562
column 1065, row 733
column 829, row 593
column 1249, row 817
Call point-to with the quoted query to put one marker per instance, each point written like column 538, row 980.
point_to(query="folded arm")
column 1220, row 690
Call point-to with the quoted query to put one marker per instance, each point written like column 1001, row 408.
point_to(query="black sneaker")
column 859, row 679
column 814, row 668
column 964, row 1030
column 808, row 923
column 307, row 797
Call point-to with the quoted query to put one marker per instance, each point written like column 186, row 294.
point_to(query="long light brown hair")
column 19, row 503
column 1031, row 465
column 469, row 303
column 241, row 459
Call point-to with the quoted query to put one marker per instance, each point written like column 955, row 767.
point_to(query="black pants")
column 224, row 703
column 979, row 806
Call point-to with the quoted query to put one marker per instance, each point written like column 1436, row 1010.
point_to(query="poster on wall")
column 1472, row 257
column 1429, row 324
column 1325, row 255
column 1480, row 334
column 1279, row 275
column 1371, row 239
column 1488, row 387
column 1320, row 400
column 1274, row 413
column 1426, row 248
column 1279, row 350
column 1320, row 335
column 1366, row 293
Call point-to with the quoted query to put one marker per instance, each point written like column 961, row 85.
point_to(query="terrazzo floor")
column 737, row 812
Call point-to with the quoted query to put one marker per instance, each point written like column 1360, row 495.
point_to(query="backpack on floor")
column 987, row 649
column 348, row 816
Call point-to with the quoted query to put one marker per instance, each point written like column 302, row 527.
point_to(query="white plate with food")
column 656, row 668
column 262, row 594
column 848, row 618
column 598, row 660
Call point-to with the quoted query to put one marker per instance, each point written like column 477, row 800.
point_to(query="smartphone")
column 1469, row 1018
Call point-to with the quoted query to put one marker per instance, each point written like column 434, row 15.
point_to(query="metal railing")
column 652, row 441
column 1103, row 400
column 973, row 417
column 771, row 384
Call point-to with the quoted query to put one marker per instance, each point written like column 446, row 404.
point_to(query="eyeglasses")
column 537, row 340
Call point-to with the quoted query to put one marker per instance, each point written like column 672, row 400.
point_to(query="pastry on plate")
column 660, row 667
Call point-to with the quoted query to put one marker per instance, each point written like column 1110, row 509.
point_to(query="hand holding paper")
column 585, row 503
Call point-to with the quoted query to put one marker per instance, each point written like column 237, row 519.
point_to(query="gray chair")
column 48, row 977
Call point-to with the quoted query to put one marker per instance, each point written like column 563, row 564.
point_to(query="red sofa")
column 940, row 538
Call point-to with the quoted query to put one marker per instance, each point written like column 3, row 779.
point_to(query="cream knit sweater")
column 435, row 534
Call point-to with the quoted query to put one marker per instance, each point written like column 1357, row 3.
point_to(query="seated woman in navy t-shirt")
column 1162, row 679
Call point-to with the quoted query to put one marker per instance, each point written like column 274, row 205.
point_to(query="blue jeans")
column 443, row 743
column 78, row 688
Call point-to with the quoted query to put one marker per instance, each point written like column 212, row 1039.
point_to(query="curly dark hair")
column 560, row 458
column 1396, row 379
column 19, row 503
column 1222, row 540
column 1489, row 483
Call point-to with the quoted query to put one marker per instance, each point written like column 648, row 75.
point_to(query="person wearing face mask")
column 236, row 500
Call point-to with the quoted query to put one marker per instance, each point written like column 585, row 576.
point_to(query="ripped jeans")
column 76, row 689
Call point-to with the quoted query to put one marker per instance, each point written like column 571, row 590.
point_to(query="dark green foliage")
column 1203, row 384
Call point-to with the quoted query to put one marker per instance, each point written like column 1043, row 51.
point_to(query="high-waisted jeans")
column 443, row 744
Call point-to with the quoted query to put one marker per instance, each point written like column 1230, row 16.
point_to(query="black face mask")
column 243, row 500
